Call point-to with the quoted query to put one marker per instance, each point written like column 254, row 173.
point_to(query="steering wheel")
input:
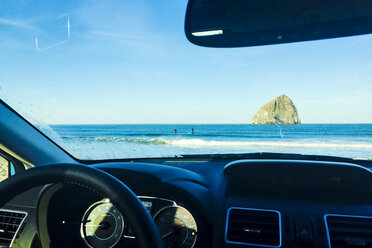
column 96, row 180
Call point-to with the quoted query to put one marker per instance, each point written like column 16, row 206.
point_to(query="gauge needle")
column 93, row 225
column 74, row 222
column 166, row 235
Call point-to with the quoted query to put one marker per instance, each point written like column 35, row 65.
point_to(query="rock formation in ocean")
column 280, row 110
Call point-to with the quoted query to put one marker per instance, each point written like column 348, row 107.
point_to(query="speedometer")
column 177, row 227
column 102, row 225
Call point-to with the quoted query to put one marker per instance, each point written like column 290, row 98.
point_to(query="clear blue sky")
column 130, row 62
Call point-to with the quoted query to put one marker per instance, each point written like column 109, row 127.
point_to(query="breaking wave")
column 224, row 143
column 119, row 139
column 214, row 143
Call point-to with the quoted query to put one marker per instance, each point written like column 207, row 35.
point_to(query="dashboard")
column 207, row 203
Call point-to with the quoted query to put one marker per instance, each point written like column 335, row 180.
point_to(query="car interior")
column 53, row 199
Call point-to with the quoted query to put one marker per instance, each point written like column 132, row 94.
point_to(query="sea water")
column 168, row 140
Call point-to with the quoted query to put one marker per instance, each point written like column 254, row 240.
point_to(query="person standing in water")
column 175, row 131
column 192, row 130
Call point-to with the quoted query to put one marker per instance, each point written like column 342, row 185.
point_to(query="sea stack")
column 279, row 111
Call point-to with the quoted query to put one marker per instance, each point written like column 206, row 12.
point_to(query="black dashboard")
column 211, row 203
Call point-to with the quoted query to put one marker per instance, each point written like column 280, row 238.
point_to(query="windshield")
column 118, row 79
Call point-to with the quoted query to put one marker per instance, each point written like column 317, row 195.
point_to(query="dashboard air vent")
column 10, row 221
column 349, row 231
column 253, row 227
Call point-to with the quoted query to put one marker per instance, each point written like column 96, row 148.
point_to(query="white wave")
column 218, row 143
column 215, row 143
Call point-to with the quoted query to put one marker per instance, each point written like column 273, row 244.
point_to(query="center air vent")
column 253, row 227
column 10, row 221
column 349, row 231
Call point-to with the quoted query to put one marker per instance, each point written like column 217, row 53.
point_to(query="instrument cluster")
column 103, row 225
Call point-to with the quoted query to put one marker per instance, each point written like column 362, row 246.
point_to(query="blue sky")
column 130, row 62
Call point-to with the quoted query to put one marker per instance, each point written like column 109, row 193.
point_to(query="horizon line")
column 311, row 123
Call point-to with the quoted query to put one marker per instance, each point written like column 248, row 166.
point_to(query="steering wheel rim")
column 96, row 180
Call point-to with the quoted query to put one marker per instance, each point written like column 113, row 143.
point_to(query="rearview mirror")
column 239, row 23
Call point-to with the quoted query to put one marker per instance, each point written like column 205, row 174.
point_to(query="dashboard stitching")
column 86, row 187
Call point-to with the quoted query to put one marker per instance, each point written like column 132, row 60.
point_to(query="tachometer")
column 102, row 225
column 177, row 227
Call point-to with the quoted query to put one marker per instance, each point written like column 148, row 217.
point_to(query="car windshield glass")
column 118, row 79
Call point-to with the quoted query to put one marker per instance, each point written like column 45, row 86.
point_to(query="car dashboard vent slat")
column 257, row 227
column 349, row 231
column 10, row 221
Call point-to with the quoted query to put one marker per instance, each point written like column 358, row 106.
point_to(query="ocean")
column 161, row 140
